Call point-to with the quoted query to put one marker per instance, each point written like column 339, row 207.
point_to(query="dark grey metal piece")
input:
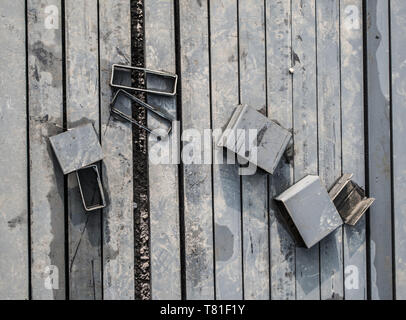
column 309, row 211
column 265, row 148
column 350, row 200
column 167, row 85
column 77, row 148
column 91, row 188
column 122, row 113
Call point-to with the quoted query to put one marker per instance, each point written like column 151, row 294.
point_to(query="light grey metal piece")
column 263, row 149
column 166, row 86
column 309, row 211
column 87, row 188
column 77, row 148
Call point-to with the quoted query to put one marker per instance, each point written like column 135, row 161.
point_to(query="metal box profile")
column 312, row 213
column 265, row 147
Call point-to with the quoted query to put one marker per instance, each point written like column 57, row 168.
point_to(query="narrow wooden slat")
column 46, row 177
column 353, row 147
column 398, row 27
column 254, row 187
column 305, row 129
column 117, row 172
column 282, row 246
column 379, row 141
column 13, row 150
column 329, row 128
column 197, row 177
column 82, row 106
column 226, row 181
column 163, row 178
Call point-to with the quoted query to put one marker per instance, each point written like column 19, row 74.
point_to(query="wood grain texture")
column 117, row 169
column 305, row 131
column 353, row 143
column 197, row 177
column 254, row 187
column 398, row 27
column 46, row 177
column 226, row 181
column 329, row 129
column 379, row 149
column 279, row 81
column 13, row 150
column 82, row 106
column 163, row 178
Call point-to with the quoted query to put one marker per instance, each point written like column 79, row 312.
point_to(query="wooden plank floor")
column 316, row 67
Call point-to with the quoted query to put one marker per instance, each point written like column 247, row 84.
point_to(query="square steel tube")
column 91, row 188
column 169, row 80
column 265, row 148
column 308, row 207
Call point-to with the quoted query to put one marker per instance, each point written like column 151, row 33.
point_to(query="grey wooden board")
column 117, row 168
column 46, row 178
column 163, row 179
column 279, row 82
column 254, row 187
column 13, row 150
column 226, row 181
column 329, row 137
column 82, row 107
column 197, row 176
column 379, row 149
column 353, row 147
column 398, row 27
column 305, row 130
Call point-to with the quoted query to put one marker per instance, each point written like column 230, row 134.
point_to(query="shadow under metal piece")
column 126, row 113
column 168, row 81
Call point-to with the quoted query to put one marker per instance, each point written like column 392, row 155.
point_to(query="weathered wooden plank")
column 197, row 175
column 117, row 172
column 163, row 178
column 353, row 148
column 305, row 130
column 82, row 106
column 254, row 187
column 379, row 141
column 329, row 129
column 398, row 27
column 279, row 81
column 226, row 181
column 46, row 177
column 13, row 150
